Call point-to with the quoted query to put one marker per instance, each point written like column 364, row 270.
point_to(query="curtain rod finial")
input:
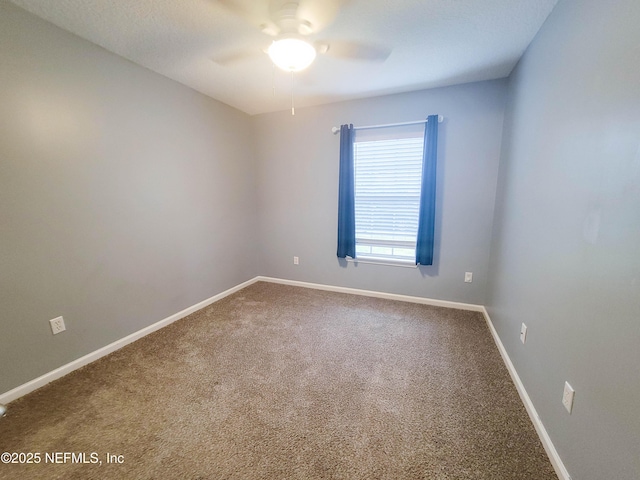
column 335, row 130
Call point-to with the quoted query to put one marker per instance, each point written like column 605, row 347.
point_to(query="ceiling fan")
column 293, row 24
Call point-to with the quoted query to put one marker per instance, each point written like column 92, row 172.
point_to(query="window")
column 388, row 174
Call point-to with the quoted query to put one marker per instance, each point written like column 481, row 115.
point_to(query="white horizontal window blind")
column 388, row 174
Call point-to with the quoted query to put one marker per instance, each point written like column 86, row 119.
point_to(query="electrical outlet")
column 57, row 325
column 468, row 277
column 567, row 397
column 523, row 333
column 296, row 260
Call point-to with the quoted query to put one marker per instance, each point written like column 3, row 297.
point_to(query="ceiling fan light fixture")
column 291, row 54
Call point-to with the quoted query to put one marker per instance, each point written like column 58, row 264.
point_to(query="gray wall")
column 124, row 197
column 298, row 190
column 566, row 247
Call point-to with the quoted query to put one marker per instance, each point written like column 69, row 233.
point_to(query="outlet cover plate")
column 57, row 325
column 567, row 397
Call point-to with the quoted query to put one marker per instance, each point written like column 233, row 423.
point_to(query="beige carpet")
column 278, row 382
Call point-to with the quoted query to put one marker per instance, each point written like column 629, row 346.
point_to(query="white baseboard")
column 112, row 347
column 552, row 453
column 372, row 293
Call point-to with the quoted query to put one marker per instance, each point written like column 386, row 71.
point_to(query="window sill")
column 391, row 262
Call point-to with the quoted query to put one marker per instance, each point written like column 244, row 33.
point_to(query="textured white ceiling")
column 433, row 43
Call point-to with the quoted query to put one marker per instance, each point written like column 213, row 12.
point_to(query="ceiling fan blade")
column 255, row 13
column 354, row 51
column 318, row 13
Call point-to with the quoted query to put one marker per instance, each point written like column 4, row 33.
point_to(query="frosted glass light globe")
column 292, row 54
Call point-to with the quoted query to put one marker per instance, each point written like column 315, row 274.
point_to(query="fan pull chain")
column 273, row 78
column 293, row 110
